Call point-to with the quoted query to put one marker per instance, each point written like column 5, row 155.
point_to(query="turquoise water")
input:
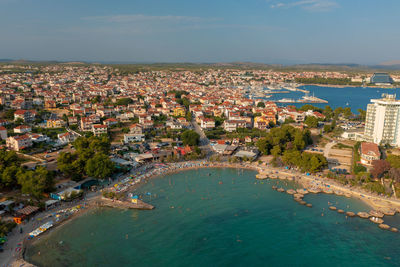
column 227, row 218
column 353, row 97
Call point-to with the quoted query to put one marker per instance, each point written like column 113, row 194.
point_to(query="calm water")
column 226, row 219
column 354, row 97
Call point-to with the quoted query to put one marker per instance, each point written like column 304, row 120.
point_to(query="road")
column 328, row 148
column 72, row 131
column 204, row 142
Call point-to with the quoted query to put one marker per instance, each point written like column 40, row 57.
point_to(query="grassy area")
column 342, row 146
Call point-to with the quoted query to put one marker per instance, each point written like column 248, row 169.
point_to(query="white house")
column 129, row 138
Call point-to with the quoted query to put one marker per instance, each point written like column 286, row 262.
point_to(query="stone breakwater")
column 317, row 186
column 140, row 205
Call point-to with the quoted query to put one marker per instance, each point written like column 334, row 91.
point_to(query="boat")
column 286, row 100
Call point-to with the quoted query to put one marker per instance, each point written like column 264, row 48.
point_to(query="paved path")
column 204, row 142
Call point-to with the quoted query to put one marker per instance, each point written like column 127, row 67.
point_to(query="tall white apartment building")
column 383, row 121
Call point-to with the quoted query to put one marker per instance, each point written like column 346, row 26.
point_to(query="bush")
column 376, row 187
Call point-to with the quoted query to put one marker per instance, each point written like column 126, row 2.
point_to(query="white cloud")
column 311, row 5
column 147, row 18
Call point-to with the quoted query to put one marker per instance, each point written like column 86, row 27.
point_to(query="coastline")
column 344, row 86
column 307, row 182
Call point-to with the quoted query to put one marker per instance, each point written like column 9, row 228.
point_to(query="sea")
column 353, row 97
column 221, row 217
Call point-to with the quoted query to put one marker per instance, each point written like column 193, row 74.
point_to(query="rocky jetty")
column 384, row 226
column 376, row 213
column 291, row 191
column 261, row 176
column 297, row 195
column 140, row 205
column 350, row 214
column 376, row 220
column 363, row 215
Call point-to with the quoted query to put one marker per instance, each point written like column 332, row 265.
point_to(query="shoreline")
column 344, row 86
column 303, row 180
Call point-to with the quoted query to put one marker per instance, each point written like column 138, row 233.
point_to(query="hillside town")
column 67, row 130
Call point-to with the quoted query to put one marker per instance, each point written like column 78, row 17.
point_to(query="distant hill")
column 389, row 66
column 390, row 63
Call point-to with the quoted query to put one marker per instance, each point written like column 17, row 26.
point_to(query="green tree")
column 19, row 121
column 289, row 120
column 190, row 137
column 362, row 114
column 100, row 166
column 328, row 112
column 35, row 183
column 97, row 99
column 9, row 114
column 276, row 151
column 264, row 145
column 394, row 160
column 189, row 116
column 299, row 143
column 261, row 105
column 124, row 101
column 9, row 176
column 338, row 111
column 67, row 163
column 292, row 157
column 327, row 128
column 311, row 122
column 347, row 112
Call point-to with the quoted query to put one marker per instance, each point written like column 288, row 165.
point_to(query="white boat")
column 286, row 100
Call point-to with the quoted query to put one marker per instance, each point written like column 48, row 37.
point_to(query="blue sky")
column 267, row 31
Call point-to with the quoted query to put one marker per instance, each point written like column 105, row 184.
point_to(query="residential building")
column 207, row 123
column 368, row 153
column 232, row 125
column 136, row 129
column 22, row 129
column 179, row 112
column 55, row 123
column 99, row 129
column 19, row 142
column 3, row 133
column 110, row 121
column 262, row 122
column 50, row 104
column 382, row 124
column 129, row 138
column 66, row 138
column 86, row 124
column 26, row 115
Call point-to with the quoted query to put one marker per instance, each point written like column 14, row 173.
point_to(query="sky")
column 202, row 31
